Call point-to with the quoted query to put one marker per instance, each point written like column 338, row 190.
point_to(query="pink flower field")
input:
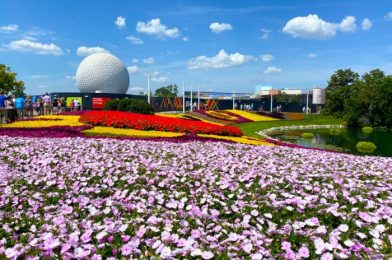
column 86, row 198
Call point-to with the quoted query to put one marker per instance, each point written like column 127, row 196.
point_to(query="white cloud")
column 34, row 47
column 135, row 60
column 265, row 33
column 267, row 57
column 156, row 77
column 154, row 27
column 312, row 55
column 221, row 60
column 134, row 40
column 366, row 24
column 185, row 39
column 313, row 27
column 310, row 27
column 120, row 22
column 149, row 60
column 30, row 38
column 132, row 69
column 272, row 70
column 348, row 24
column 9, row 28
column 220, row 27
column 68, row 77
column 39, row 77
column 85, row 51
column 388, row 16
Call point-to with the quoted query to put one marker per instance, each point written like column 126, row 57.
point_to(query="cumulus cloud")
column 120, row 22
column 154, row 27
column 272, row 70
column 312, row 55
column 348, row 24
column 135, row 60
column 220, row 27
column 221, row 60
column 34, row 47
column 388, row 16
column 310, row 27
column 132, row 69
column 85, row 51
column 267, row 57
column 366, row 24
column 150, row 60
column 135, row 40
column 265, row 33
column 9, row 28
column 313, row 27
column 156, row 77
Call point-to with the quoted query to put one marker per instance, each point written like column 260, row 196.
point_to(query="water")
column 344, row 142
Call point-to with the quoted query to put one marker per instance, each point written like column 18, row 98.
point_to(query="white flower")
column 343, row 227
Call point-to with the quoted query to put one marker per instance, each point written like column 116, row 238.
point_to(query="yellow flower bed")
column 181, row 116
column 242, row 139
column 252, row 116
column 111, row 131
column 64, row 121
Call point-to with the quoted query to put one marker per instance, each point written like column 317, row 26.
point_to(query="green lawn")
column 251, row 128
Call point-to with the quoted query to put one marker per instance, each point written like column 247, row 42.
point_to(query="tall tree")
column 8, row 81
column 169, row 91
column 338, row 90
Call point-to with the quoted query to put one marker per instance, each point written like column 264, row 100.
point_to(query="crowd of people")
column 13, row 107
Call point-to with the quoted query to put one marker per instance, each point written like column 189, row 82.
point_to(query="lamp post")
column 191, row 98
column 198, row 98
column 271, row 102
column 233, row 100
column 148, row 88
column 307, row 101
column 183, row 98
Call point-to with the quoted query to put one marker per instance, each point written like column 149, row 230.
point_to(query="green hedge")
column 367, row 129
column 307, row 135
column 366, row 147
column 130, row 105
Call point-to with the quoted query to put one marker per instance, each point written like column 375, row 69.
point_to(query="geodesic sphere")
column 102, row 72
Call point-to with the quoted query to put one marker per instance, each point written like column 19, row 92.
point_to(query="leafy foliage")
column 169, row 91
column 307, row 135
column 129, row 105
column 8, row 81
column 366, row 147
column 361, row 101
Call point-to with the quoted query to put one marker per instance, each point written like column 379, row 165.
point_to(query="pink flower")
column 289, row 254
column 312, row 222
column 207, row 255
column 247, row 248
column 327, row 256
column 286, row 245
column 343, row 228
column 140, row 233
column 364, row 216
column 195, row 233
column 303, row 252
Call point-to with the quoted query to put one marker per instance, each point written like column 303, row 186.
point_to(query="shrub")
column 367, row 129
column 307, row 135
column 366, row 147
column 135, row 105
column 335, row 131
column 112, row 104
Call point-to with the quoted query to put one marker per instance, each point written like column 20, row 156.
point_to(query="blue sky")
column 211, row 45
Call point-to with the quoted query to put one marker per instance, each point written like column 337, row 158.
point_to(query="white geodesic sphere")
column 102, row 72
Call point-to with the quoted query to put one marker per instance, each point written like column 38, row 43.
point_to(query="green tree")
column 8, row 81
column 169, row 91
column 340, row 85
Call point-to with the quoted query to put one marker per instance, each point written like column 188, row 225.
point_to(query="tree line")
column 361, row 100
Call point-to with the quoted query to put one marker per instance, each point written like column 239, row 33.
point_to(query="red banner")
column 99, row 102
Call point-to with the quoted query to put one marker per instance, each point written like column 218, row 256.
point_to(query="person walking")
column 3, row 112
column 28, row 105
column 47, row 103
column 19, row 105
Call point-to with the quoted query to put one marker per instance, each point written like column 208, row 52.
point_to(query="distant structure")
column 318, row 96
column 102, row 73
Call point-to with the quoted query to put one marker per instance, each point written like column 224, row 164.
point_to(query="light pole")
column 183, row 98
column 191, row 98
column 198, row 98
column 233, row 100
column 271, row 102
column 307, row 101
column 148, row 88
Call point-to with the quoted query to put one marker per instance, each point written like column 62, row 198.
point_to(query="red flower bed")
column 158, row 123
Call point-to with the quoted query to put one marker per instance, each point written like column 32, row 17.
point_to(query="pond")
column 344, row 142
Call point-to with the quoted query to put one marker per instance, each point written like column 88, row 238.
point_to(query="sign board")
column 99, row 102
column 69, row 99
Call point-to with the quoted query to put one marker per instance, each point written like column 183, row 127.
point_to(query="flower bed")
column 224, row 115
column 158, row 123
column 251, row 116
column 45, row 121
column 111, row 131
column 141, row 200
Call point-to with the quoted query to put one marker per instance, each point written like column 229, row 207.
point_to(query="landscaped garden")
column 123, row 185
